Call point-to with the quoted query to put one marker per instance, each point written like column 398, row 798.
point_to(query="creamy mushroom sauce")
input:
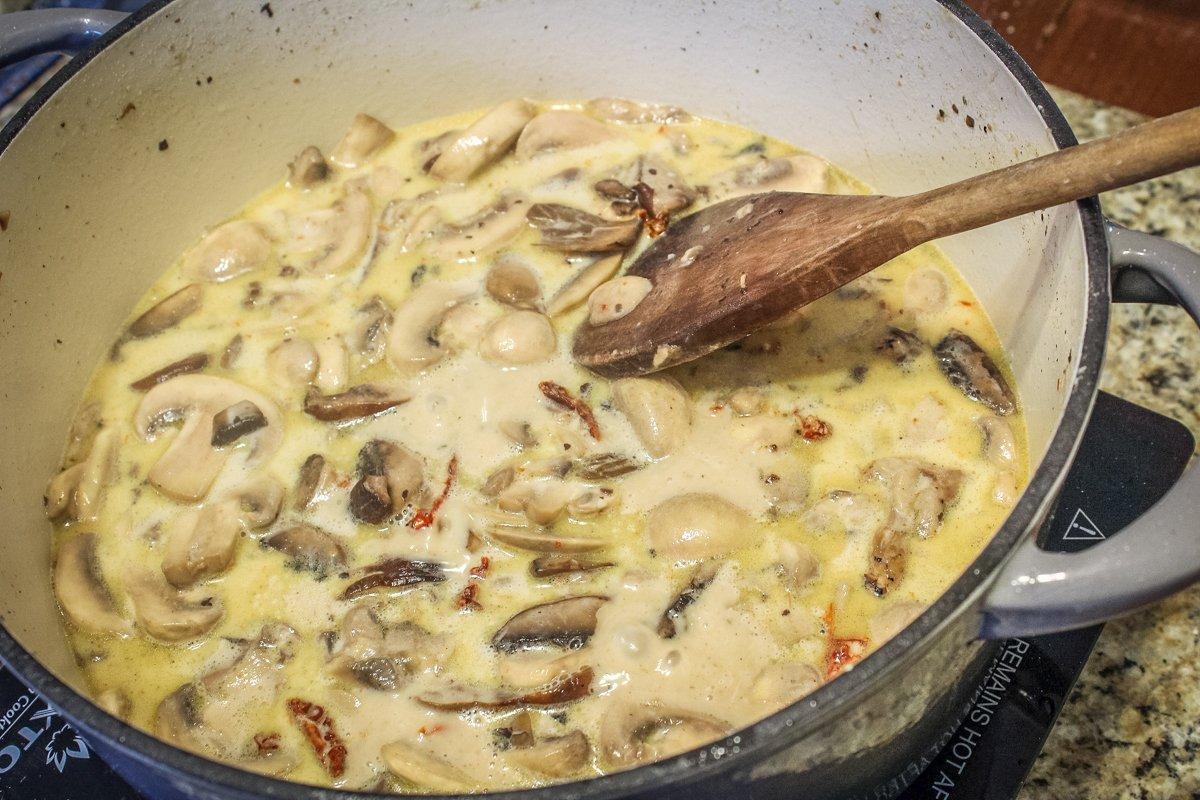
column 792, row 501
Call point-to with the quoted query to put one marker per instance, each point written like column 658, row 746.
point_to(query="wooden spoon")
column 753, row 259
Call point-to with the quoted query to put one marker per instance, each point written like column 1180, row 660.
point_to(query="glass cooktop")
column 985, row 755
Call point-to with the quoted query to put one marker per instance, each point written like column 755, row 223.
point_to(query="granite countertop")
column 1131, row 728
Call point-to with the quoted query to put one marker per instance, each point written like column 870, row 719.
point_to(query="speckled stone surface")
column 1132, row 726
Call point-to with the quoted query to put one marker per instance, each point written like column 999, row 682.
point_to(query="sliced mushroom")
column 228, row 251
column 81, row 590
column 373, row 320
column 168, row 615
column 365, row 137
column 512, row 283
column 190, row 464
column 75, row 494
column 309, row 549
column 383, row 657
column 899, row 345
column 519, row 337
column 567, row 623
column 201, row 544
column 516, row 531
column 565, row 688
column 390, row 477
column 637, row 733
column 624, row 200
column 207, row 716
column 240, row 419
column 350, row 227
column 357, row 402
column 232, row 352
column 926, row 291
column 168, row 312
column 193, row 363
column 893, row 618
column 798, row 565
column 555, row 756
column 257, row 501
column 498, row 481
column 631, row 112
column 605, row 466
column 313, row 482
column 999, row 443
column 797, row 173
column 484, row 231
column 572, row 230
column 660, row 189
column 658, row 409
column 411, row 343
column 115, row 702
column 702, row 576
column 308, row 169
column 561, row 130
column 292, row 362
column 581, row 285
column 784, row 682
column 970, row 370
column 850, row 513
column 394, row 573
column 484, row 141
column 423, row 769
column 590, row 500
column 550, row 566
column 463, row 326
column 616, row 298
column 695, row 526
column 333, row 368
column 787, row 483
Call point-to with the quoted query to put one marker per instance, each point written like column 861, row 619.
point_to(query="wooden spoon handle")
column 1147, row 151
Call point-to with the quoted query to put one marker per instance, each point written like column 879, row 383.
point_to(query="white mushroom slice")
column 411, row 344
column 257, row 501
column 561, row 130
column 201, row 544
column 695, row 526
column 798, row 173
column 893, row 618
column 80, row 588
column 423, row 769
column 581, row 285
column 463, row 326
column 228, row 251
column 190, row 464
column 333, row 367
column 511, row 282
column 630, row 112
column 482, row 142
column 659, row 410
column 926, row 291
column 292, row 362
column 851, row 513
column 76, row 492
column 308, row 169
column 168, row 615
column 485, row 230
column 555, row 756
column 783, row 683
column 747, row 401
column 351, row 228
column 364, row 138
column 520, row 337
column 616, row 298
column 636, row 733
column 798, row 565
column 999, row 443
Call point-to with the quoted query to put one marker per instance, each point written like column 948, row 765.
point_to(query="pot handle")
column 52, row 30
column 1040, row 592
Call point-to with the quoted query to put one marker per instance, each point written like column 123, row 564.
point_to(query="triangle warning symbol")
column 1082, row 529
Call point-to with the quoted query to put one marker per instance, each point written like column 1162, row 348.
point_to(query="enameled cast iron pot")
column 173, row 118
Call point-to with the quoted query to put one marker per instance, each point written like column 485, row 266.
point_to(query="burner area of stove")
column 983, row 756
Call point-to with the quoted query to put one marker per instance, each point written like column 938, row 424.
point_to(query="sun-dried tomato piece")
column 480, row 570
column 840, row 652
column 561, row 395
column 424, row 517
column 814, row 428
column 466, row 598
column 317, row 726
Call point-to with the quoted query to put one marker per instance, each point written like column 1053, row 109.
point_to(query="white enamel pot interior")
column 903, row 94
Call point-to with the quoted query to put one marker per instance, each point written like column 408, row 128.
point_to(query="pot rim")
column 772, row 733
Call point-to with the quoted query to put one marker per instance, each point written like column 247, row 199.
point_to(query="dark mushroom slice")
column 550, row 566
column 637, row 733
column 602, row 466
column 232, row 352
column 972, row 372
column 624, row 200
column 555, row 756
column 518, row 733
column 371, row 333
column 357, row 402
column 308, row 169
column 701, row 578
column 309, row 548
column 390, row 478
column 313, row 479
column 566, row 688
column 888, row 562
column 238, row 420
column 168, row 312
column 661, row 190
column 394, row 573
column 899, row 345
column 566, row 623
column 193, row 363
column 572, row 230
